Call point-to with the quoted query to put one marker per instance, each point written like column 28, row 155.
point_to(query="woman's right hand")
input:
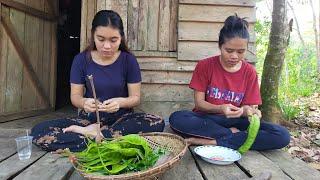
column 231, row 111
column 89, row 105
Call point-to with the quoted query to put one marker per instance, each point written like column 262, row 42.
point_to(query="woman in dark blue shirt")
column 117, row 80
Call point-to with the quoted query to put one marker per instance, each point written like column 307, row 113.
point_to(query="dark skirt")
column 50, row 137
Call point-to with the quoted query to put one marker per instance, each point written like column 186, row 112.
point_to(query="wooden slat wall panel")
column 221, row 2
column 164, row 25
column 213, row 13
column 143, row 25
column 91, row 11
column 121, row 7
column 203, row 31
column 53, row 58
column 168, row 92
column 148, row 25
column 14, row 65
column 195, row 51
column 153, row 24
column 3, row 64
column 163, row 77
column 133, row 23
column 173, row 30
column 84, row 25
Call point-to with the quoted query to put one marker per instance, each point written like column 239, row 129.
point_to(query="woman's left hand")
column 250, row 110
column 111, row 105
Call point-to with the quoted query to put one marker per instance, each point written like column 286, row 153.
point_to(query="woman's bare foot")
column 90, row 130
column 201, row 141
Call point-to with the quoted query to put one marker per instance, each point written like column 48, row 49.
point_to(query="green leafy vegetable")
column 252, row 133
column 122, row 155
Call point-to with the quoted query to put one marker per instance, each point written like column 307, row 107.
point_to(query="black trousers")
column 49, row 136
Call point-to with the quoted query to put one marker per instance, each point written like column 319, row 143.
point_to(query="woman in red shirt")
column 226, row 91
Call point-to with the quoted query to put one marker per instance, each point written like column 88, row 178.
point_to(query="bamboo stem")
column 98, row 137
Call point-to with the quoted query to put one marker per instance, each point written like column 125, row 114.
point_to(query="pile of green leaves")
column 125, row 154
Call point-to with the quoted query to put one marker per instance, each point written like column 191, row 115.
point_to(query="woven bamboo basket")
column 173, row 144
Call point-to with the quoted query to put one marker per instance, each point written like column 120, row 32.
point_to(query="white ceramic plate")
column 217, row 154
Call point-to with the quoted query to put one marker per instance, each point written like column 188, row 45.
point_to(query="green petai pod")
column 252, row 133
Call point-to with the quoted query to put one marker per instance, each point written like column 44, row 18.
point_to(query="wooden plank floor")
column 43, row 165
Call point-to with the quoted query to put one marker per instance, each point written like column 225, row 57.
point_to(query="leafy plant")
column 299, row 74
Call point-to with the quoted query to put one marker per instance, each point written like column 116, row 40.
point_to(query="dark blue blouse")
column 110, row 81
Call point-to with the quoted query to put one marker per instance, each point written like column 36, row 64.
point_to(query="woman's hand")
column 231, row 111
column 111, row 105
column 250, row 110
column 90, row 130
column 89, row 105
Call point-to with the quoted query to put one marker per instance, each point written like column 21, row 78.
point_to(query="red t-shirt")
column 223, row 87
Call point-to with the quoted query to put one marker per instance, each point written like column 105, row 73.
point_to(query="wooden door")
column 28, row 57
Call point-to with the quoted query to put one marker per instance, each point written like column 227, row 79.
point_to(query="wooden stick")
column 98, row 137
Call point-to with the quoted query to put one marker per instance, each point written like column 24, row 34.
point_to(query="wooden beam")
column 24, row 114
column 154, row 54
column 25, row 59
column 28, row 10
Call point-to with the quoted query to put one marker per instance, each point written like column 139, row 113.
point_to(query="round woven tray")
column 174, row 145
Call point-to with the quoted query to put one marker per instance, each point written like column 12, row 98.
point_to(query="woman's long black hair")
column 234, row 26
column 107, row 18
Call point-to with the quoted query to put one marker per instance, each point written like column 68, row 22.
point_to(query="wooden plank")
column 27, row 9
column 22, row 114
column 32, row 27
column 50, row 166
column 255, row 163
column 4, row 40
column 13, row 165
column 173, row 30
column 168, row 66
column 212, row 171
column 14, row 65
column 46, row 56
column 28, row 123
column 153, row 23
column 193, row 50
column 53, row 63
column 91, row 11
column 154, row 54
column 7, row 143
column 163, row 108
column 157, row 60
column 249, row 3
column 203, row 31
column 185, row 169
column 7, row 148
column 213, row 13
column 133, row 25
column 168, row 92
column 40, row 60
column 84, row 25
column 164, row 25
column 120, row 7
column 161, row 77
column 143, row 25
column 101, row 5
column 292, row 166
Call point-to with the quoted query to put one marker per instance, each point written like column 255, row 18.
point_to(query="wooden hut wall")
column 168, row 37
column 28, row 56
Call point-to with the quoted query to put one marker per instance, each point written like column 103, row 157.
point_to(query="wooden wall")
column 168, row 37
column 27, row 56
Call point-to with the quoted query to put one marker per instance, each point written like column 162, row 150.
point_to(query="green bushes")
column 299, row 73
